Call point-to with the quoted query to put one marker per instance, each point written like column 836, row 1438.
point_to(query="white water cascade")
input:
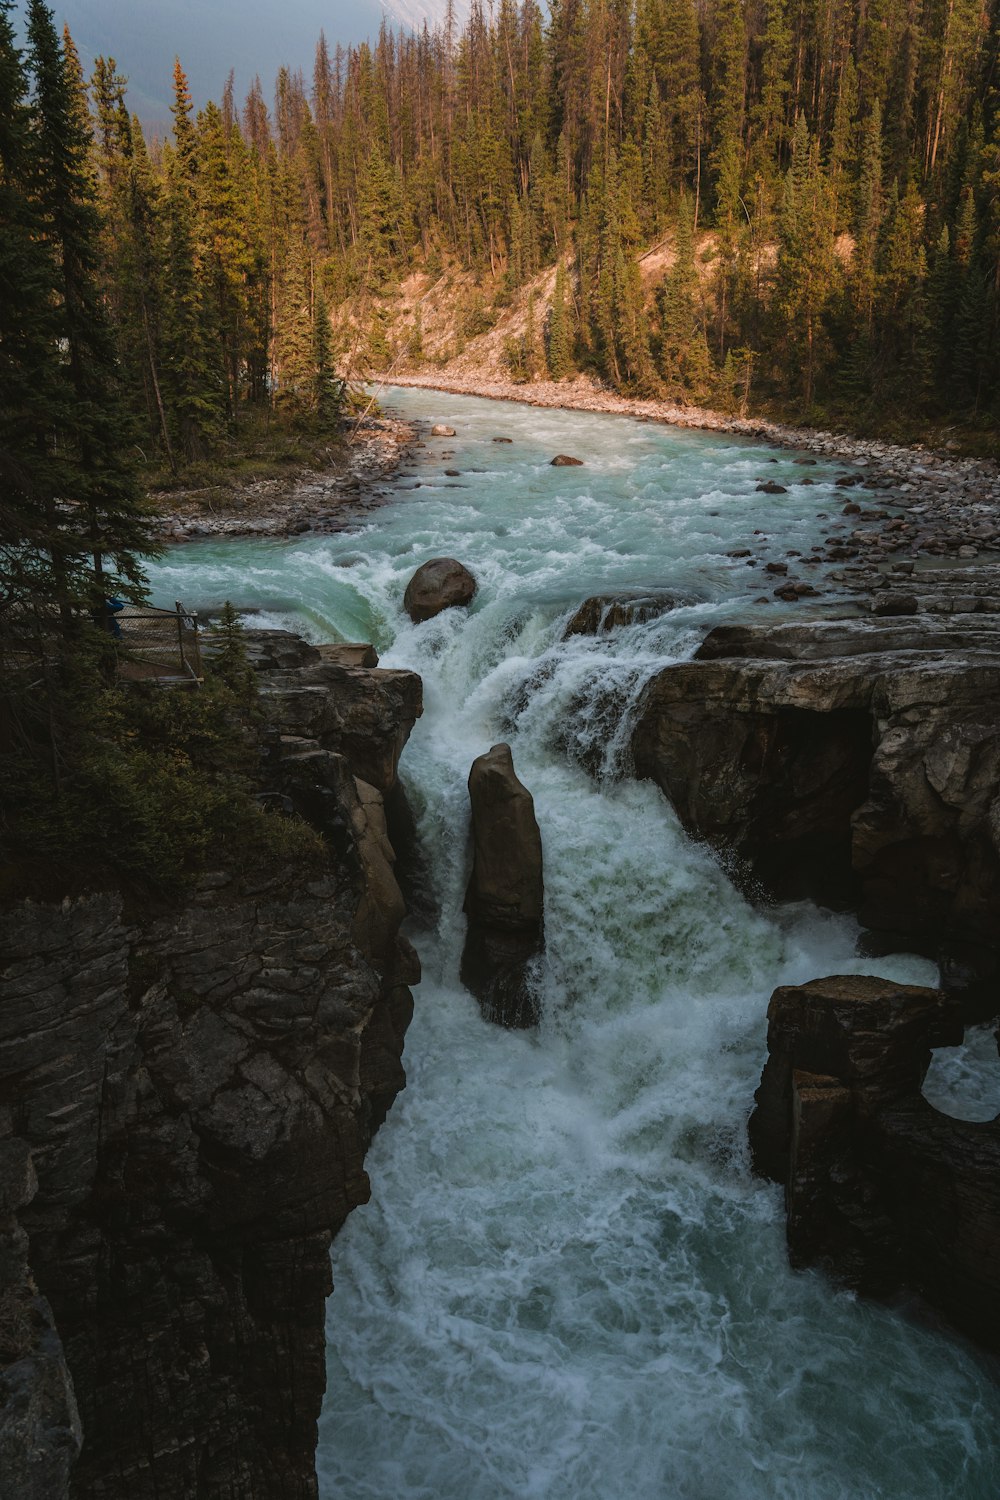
column 567, row 1285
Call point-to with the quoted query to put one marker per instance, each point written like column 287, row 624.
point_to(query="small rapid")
column 568, row 1285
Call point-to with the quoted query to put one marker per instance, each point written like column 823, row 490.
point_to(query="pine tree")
column 103, row 486
column 559, row 347
column 685, row 365
column 806, row 270
column 191, row 379
column 295, row 334
column 327, row 391
column 35, row 391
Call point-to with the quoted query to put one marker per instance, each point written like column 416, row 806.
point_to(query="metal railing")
column 159, row 645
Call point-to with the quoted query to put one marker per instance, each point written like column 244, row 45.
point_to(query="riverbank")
column 327, row 499
column 949, row 505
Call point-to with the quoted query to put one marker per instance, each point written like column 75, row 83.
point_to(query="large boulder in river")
column 440, row 429
column 443, row 583
column 565, row 461
column 881, row 1188
column 505, row 895
column 604, row 612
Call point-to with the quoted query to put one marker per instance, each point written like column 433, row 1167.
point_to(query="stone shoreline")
column 325, row 500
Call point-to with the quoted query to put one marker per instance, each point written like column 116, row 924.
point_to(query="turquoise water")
column 567, row 1284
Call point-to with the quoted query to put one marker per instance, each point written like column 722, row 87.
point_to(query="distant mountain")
column 213, row 36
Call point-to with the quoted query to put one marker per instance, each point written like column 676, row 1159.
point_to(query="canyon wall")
column 854, row 761
column 858, row 761
column 187, row 1097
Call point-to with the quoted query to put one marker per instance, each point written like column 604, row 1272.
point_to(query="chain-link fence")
column 156, row 644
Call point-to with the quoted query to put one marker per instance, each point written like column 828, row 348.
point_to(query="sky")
column 212, row 36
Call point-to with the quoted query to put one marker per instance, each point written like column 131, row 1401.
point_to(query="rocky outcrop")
column 505, row 895
column 194, row 1090
column 602, row 613
column 361, row 713
column 856, row 761
column 443, row 583
column 881, row 1189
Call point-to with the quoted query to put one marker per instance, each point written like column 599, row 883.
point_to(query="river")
column 567, row 1284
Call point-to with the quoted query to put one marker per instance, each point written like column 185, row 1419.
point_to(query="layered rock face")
column 505, row 897
column 189, row 1100
column 881, row 1188
column 856, row 762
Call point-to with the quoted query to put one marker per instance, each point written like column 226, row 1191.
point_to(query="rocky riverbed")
column 901, row 504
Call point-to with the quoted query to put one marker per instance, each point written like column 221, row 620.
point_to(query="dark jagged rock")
column 505, row 896
column 194, row 1089
column 771, row 487
column 602, row 613
column 274, row 650
column 565, row 461
column 412, row 870
column 881, row 1188
column 362, row 713
column 442, row 583
column 40, row 1432
column 851, row 760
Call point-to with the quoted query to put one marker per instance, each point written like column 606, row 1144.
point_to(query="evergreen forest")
column 824, row 176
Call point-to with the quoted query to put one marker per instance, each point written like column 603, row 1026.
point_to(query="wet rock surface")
column 881, row 1189
column 504, row 900
column 189, row 1095
column 442, row 583
column 602, row 613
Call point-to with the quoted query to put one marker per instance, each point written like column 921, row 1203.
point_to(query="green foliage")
column 135, row 784
column 72, row 523
column 784, row 131
column 685, row 365
column 559, row 344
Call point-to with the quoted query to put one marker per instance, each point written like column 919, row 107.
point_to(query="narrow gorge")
column 574, row 1275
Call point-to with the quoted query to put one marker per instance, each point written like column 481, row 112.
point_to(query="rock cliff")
column 187, row 1097
column 880, row 1188
column 858, row 761
column 855, row 761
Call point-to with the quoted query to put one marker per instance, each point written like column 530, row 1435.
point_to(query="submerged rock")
column 505, row 896
column 602, row 613
column 881, row 1188
column 443, row 583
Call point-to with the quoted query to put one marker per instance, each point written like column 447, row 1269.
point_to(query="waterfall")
column 567, row 1284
